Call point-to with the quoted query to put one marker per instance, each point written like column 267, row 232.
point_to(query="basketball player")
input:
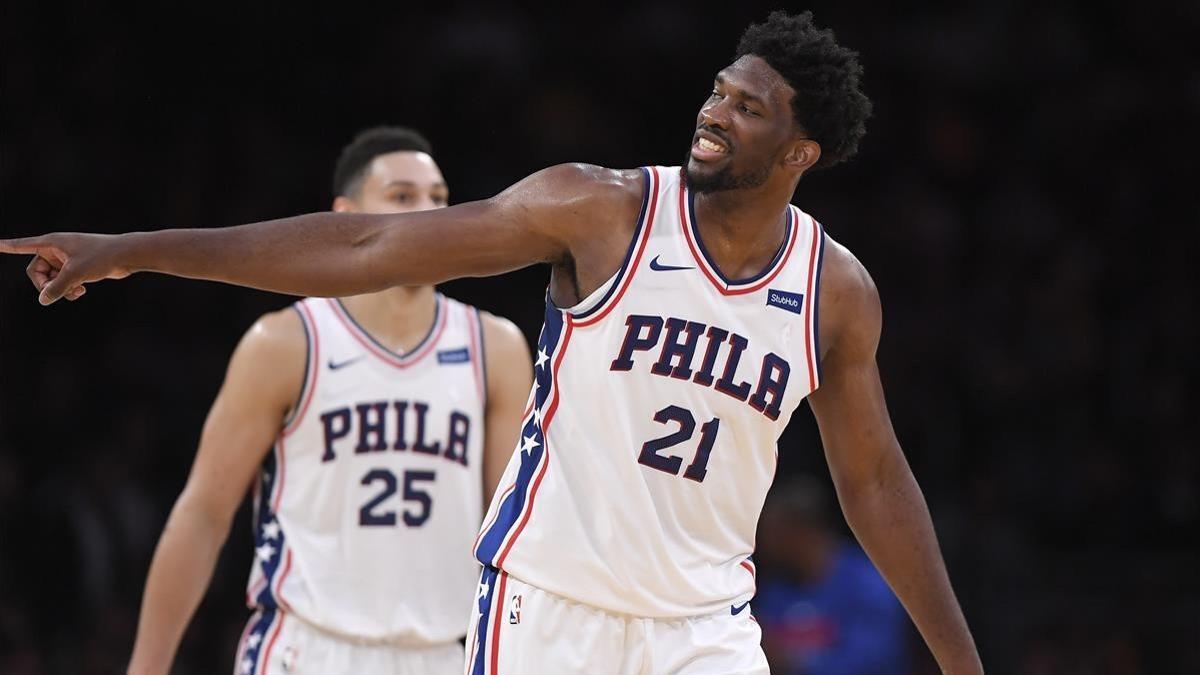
column 370, row 427
column 690, row 310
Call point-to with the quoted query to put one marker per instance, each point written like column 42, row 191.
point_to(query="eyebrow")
column 409, row 183
column 742, row 92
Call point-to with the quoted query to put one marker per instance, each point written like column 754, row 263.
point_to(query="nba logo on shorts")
column 514, row 610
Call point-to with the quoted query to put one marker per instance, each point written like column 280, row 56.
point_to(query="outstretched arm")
column 262, row 383
column 879, row 496
column 539, row 219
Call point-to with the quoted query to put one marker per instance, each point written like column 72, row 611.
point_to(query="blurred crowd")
column 1023, row 200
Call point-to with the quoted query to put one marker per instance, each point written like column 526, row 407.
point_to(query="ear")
column 343, row 205
column 803, row 154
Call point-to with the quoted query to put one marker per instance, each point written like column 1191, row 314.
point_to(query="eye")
column 716, row 94
column 402, row 198
column 746, row 109
column 440, row 200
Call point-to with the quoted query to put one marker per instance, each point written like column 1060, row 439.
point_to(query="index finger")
column 24, row 245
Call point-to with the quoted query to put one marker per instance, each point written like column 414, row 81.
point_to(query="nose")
column 715, row 115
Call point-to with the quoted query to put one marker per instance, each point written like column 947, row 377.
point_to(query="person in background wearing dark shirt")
column 823, row 608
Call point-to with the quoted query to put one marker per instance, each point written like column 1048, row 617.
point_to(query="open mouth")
column 706, row 149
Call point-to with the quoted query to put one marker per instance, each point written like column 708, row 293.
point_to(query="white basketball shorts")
column 278, row 643
column 521, row 629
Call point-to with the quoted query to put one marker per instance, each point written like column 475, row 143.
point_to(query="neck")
column 743, row 229
column 397, row 317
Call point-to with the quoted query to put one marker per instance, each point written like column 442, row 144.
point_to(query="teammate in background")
column 823, row 608
column 371, row 428
column 682, row 330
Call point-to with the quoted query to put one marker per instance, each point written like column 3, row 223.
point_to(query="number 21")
column 687, row 426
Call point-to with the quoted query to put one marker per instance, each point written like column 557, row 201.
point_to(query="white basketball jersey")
column 649, row 446
column 366, row 509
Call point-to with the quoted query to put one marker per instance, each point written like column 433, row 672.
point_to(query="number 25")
column 687, row 426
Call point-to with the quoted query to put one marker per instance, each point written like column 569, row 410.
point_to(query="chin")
column 696, row 169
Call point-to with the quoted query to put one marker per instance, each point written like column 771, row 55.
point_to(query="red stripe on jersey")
column 495, row 515
column 496, row 626
column 475, row 326
column 637, row 258
column 241, row 648
column 279, row 584
column 566, row 341
column 808, row 323
column 314, row 366
column 271, row 643
column 255, row 590
column 279, row 475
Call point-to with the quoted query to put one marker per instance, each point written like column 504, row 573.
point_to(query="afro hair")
column 829, row 103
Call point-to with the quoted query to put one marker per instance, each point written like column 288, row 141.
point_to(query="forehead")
column 404, row 167
column 754, row 76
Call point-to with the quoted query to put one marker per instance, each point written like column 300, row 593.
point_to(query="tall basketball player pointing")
column 689, row 311
column 371, row 432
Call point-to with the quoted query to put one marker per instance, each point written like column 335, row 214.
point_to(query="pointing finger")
column 25, row 245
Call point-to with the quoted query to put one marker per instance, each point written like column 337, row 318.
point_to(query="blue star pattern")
column 532, row 444
column 253, row 644
column 269, row 539
column 483, row 609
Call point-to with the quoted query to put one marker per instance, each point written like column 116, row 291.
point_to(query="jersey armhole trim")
column 814, row 299
column 480, row 364
column 312, row 365
column 618, row 284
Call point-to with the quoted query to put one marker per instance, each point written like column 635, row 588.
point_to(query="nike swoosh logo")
column 659, row 267
column 343, row 364
column 737, row 609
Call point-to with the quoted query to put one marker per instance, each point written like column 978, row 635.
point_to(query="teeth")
column 708, row 145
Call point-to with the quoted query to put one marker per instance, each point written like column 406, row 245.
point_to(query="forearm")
column 891, row 520
column 321, row 254
column 179, row 575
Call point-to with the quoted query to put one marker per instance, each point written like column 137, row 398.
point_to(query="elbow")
column 370, row 253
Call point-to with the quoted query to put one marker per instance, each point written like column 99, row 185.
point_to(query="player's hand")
column 64, row 262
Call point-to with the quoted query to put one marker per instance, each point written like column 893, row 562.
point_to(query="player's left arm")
column 879, row 496
column 509, row 375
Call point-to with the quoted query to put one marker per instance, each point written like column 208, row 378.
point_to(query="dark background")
column 1024, row 199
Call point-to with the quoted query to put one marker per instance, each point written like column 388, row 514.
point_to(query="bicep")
column 509, row 377
column 263, row 380
column 850, row 408
column 543, row 218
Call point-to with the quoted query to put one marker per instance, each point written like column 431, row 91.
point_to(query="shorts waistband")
column 399, row 641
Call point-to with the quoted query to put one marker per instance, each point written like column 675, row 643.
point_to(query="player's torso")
column 367, row 505
column 660, row 400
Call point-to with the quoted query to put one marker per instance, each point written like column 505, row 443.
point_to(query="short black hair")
column 352, row 164
column 829, row 103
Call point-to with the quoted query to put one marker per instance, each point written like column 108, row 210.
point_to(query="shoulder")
column 275, row 347
column 595, row 182
column 502, row 338
column 281, row 330
column 850, row 311
column 579, row 189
